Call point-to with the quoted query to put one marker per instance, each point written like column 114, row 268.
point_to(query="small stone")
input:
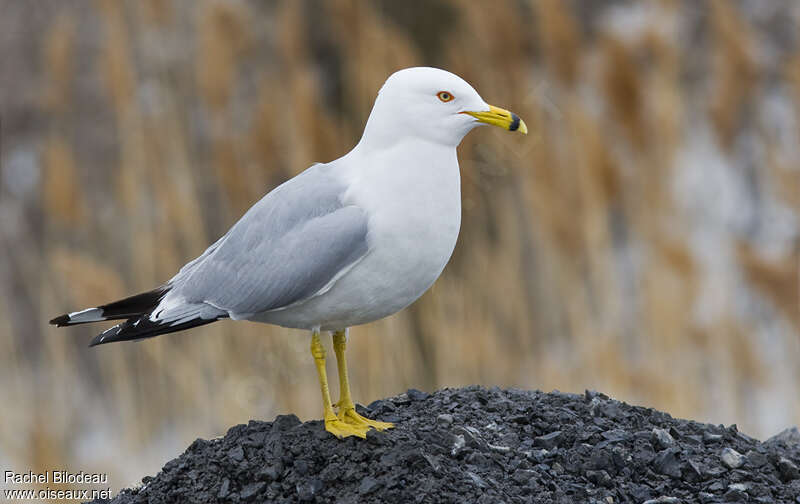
column 738, row 476
column 714, row 471
column 417, row 395
column 308, row 489
column 755, row 459
column 257, row 438
column 666, row 462
column 615, row 435
column 611, row 409
column 377, row 405
column 523, row 476
column 285, row 422
column 734, row 494
column 432, row 461
column 717, row 486
column 599, row 478
column 664, row 499
column 401, row 400
column 537, row 455
column 472, row 437
column 375, row 437
column 458, row 444
column 705, row 497
column 301, row 467
column 731, row 458
column 662, row 438
column 445, row 419
column 224, row 489
column 499, row 449
column 477, row 480
column 271, row 473
column 548, row 441
column 693, row 471
column 787, row 470
column 236, row 454
column 369, row 485
column 591, row 394
column 708, row 437
column 251, row 490
column 274, row 448
column 476, row 458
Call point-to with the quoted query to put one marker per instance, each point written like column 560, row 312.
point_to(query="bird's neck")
column 379, row 132
column 404, row 153
column 406, row 166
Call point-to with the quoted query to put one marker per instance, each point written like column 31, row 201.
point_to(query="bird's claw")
column 349, row 416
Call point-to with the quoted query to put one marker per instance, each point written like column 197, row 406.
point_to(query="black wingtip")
column 108, row 335
column 60, row 321
column 142, row 327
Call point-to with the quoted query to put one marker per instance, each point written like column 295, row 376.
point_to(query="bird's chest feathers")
column 415, row 212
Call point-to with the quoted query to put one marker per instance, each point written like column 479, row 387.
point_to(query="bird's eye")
column 445, row 96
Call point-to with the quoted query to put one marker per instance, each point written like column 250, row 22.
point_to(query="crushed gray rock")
column 731, row 458
column 445, row 419
column 548, row 441
column 788, row 469
column 662, row 438
column 790, row 436
column 477, row 445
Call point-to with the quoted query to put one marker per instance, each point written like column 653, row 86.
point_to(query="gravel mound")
column 485, row 446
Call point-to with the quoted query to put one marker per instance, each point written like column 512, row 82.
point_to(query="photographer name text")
column 64, row 477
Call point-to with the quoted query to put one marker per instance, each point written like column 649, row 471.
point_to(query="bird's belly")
column 404, row 262
column 398, row 272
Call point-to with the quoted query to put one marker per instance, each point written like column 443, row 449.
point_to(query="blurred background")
column 643, row 240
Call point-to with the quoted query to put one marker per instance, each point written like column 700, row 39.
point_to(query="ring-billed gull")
column 341, row 244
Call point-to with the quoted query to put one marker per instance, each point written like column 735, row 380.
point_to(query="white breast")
column 413, row 200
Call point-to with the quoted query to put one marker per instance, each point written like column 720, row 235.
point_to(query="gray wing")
column 286, row 248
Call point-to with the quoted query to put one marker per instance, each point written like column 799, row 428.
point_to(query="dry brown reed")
column 598, row 252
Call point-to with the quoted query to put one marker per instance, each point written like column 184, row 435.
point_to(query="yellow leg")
column 347, row 410
column 333, row 424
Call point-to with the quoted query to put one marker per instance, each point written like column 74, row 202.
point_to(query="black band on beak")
column 514, row 122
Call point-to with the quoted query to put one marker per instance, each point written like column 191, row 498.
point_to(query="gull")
column 341, row 244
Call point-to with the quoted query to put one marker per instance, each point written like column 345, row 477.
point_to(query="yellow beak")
column 500, row 117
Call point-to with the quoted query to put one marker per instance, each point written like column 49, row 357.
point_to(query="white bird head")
column 431, row 104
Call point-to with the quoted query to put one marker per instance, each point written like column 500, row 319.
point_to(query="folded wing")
column 288, row 247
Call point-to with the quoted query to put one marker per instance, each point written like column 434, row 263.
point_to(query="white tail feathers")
column 87, row 315
column 80, row 317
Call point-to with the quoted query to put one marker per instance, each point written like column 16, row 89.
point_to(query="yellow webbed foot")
column 350, row 417
column 342, row 429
